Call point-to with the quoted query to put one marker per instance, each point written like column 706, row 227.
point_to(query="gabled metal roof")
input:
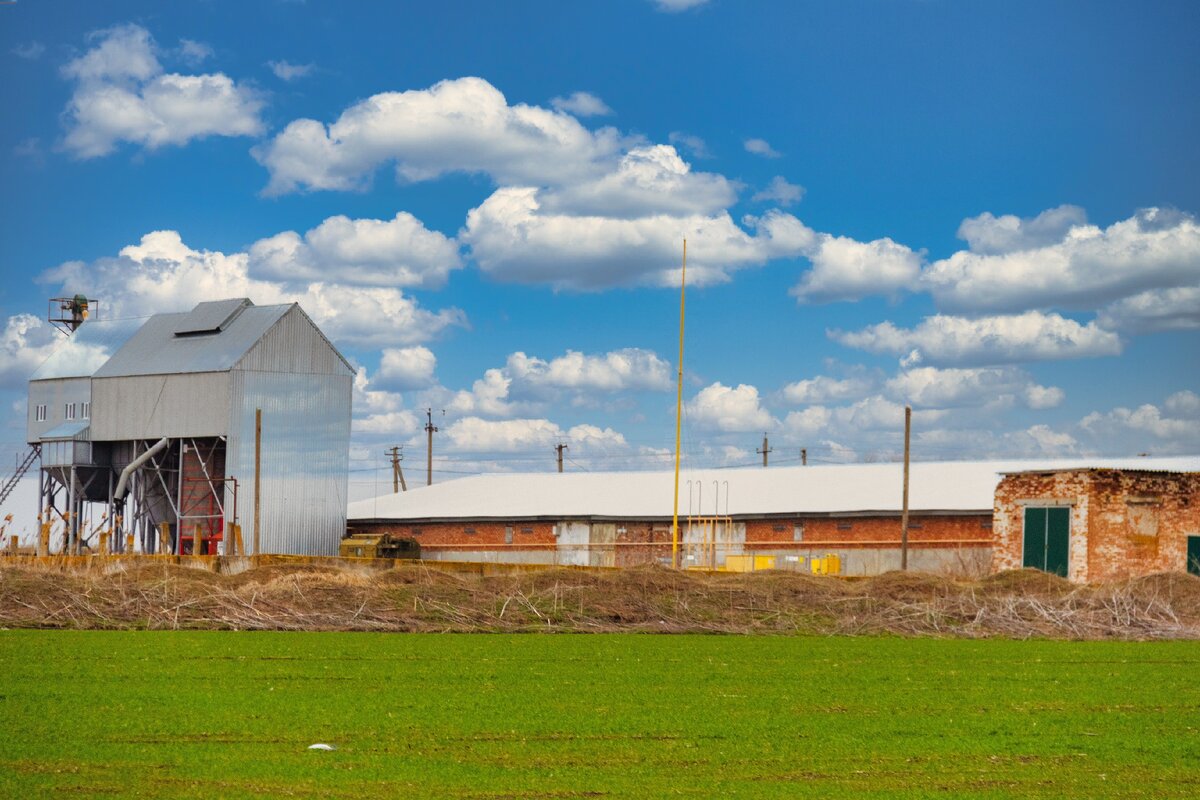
column 155, row 349
column 948, row 486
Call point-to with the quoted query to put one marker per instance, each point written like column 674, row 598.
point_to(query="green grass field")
column 206, row 714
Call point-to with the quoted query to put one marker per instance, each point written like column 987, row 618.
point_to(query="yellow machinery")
column 748, row 563
column 831, row 564
column 379, row 545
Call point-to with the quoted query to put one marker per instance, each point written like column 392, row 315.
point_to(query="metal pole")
column 257, row 481
column 678, row 415
column 904, row 512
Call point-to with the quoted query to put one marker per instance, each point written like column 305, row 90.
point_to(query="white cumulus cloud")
column 846, row 269
column 992, row 235
column 1156, row 249
column 582, row 104
column 406, row 367
column 729, row 409
column 513, row 239
column 955, row 387
column 122, row 95
column 398, row 252
column 463, row 125
column 760, row 147
column 162, row 273
column 780, row 191
column 950, row 340
column 619, row 370
column 287, row 71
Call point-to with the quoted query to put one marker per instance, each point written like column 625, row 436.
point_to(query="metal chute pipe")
column 133, row 466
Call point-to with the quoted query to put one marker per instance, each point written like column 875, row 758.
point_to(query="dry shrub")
column 896, row 585
column 1026, row 582
column 418, row 597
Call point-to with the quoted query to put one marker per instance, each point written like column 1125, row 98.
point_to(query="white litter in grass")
column 321, row 746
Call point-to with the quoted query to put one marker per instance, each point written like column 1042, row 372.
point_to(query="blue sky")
column 982, row 209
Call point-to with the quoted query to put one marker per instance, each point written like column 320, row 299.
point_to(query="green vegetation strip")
column 221, row 714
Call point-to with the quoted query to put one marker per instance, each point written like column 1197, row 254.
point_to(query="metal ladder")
column 34, row 451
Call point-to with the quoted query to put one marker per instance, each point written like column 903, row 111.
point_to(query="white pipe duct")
column 132, row 467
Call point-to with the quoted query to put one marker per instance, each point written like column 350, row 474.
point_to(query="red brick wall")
column 933, row 531
column 646, row 542
column 468, row 535
column 1123, row 523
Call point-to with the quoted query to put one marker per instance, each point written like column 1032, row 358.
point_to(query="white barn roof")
column 947, row 486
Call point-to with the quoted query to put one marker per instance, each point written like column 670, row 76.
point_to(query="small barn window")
column 86, row 410
column 69, row 411
column 779, row 528
column 415, row 531
column 844, row 526
column 526, row 530
column 986, row 524
column 40, row 413
column 508, row 534
column 798, row 532
column 469, row 531
column 915, row 526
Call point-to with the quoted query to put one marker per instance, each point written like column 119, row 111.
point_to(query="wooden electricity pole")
column 430, row 430
column 558, row 448
column 765, row 449
column 397, row 454
column 904, row 511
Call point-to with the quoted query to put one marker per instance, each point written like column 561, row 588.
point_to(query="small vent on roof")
column 211, row 317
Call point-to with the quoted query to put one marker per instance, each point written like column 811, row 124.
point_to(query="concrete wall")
column 1124, row 523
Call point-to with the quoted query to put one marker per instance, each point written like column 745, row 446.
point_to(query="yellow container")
column 833, row 564
column 764, row 562
column 739, row 563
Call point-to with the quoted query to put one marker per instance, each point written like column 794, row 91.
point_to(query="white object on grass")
column 321, row 746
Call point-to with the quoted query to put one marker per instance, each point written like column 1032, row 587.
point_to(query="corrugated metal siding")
column 295, row 345
column 153, row 406
column 54, row 394
column 305, row 458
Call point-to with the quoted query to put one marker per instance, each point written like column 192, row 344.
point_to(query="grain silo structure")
column 148, row 427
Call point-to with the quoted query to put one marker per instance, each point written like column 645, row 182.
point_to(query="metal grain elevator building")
column 147, row 427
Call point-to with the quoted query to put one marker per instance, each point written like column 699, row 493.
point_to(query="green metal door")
column 1193, row 555
column 1047, row 539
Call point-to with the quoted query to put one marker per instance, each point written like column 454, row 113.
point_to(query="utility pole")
column 430, row 430
column 765, row 449
column 904, row 512
column 397, row 454
column 804, row 456
column 559, row 449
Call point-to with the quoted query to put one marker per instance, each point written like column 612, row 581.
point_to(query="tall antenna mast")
column 678, row 415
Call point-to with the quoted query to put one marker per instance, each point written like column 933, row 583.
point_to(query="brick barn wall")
column 1138, row 522
column 1123, row 523
column 965, row 530
column 451, row 536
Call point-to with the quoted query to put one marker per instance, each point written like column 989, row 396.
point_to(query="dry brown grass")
column 413, row 597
